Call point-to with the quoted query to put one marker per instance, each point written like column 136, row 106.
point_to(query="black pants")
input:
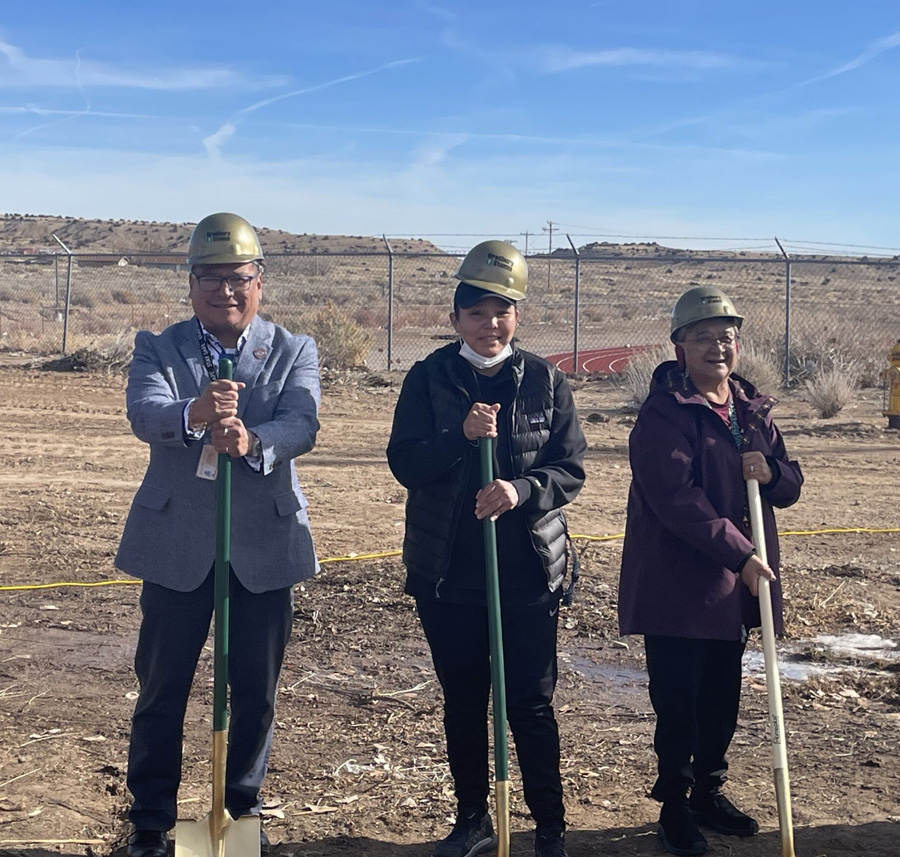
column 460, row 647
column 695, row 690
column 173, row 631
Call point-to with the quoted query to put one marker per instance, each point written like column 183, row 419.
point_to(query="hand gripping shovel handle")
column 773, row 679
column 222, row 628
column 498, row 672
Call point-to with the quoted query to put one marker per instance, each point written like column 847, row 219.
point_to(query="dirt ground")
column 358, row 764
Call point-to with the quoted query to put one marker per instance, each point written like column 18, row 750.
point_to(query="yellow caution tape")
column 384, row 554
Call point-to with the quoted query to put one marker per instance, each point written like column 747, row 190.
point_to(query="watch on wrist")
column 192, row 425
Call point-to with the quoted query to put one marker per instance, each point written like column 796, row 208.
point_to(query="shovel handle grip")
column 222, row 570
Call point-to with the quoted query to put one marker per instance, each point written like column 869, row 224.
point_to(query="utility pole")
column 549, row 228
column 526, row 233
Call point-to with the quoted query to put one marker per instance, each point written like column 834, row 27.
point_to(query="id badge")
column 208, row 466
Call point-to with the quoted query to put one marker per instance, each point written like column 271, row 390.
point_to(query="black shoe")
column 148, row 843
column 472, row 834
column 677, row 830
column 264, row 843
column 714, row 810
column 550, row 842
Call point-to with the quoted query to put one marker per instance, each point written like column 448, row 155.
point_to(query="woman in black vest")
column 483, row 386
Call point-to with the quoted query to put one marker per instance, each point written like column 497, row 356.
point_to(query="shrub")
column 342, row 343
column 830, row 390
column 107, row 354
column 758, row 365
column 822, row 346
column 120, row 296
column 83, row 300
column 639, row 370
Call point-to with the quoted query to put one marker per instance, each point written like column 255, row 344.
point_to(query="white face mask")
column 480, row 362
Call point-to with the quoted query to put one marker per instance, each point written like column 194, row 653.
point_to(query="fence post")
column 65, row 335
column 787, row 314
column 577, row 304
column 390, row 296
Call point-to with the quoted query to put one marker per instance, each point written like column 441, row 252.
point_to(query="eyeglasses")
column 727, row 341
column 235, row 282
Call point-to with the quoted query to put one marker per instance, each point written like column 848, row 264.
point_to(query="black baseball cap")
column 468, row 295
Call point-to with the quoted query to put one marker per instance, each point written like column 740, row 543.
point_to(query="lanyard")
column 736, row 432
column 211, row 368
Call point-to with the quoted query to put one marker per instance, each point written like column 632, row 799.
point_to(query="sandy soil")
column 358, row 762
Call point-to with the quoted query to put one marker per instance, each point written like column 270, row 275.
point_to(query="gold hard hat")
column 497, row 267
column 699, row 304
column 223, row 238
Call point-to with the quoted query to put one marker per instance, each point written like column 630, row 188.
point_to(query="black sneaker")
column 472, row 834
column 714, row 810
column 550, row 842
column 677, row 830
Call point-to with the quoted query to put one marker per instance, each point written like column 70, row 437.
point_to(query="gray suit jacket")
column 169, row 537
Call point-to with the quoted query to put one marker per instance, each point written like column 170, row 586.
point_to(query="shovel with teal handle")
column 498, row 672
column 218, row 834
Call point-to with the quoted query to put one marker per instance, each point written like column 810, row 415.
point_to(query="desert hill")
column 32, row 233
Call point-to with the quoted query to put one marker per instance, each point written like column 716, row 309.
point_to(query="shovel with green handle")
column 218, row 834
column 773, row 679
column 498, row 673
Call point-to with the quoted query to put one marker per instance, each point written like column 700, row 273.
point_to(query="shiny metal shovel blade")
column 233, row 838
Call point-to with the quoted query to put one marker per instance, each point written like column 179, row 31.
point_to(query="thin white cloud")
column 214, row 142
column 440, row 12
column 875, row 49
column 560, row 58
column 45, row 111
column 329, row 83
column 62, row 121
column 20, row 71
column 436, row 149
column 587, row 141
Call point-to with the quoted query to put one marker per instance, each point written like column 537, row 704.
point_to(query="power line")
column 830, row 244
column 549, row 228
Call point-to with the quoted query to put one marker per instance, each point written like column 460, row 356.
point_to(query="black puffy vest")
column 432, row 511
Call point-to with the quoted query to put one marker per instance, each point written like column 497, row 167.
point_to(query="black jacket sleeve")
column 418, row 454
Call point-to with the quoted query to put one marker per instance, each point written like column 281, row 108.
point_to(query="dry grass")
column 639, row 371
column 342, row 343
column 848, row 312
column 758, row 365
column 831, row 389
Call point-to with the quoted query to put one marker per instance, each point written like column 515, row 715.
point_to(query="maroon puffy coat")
column 688, row 524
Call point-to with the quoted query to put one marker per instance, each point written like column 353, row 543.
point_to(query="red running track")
column 604, row 360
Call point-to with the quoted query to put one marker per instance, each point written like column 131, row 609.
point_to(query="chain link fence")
column 843, row 311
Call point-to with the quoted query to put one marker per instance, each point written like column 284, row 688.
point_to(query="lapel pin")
column 259, row 353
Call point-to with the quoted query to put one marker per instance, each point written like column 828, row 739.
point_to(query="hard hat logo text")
column 500, row 262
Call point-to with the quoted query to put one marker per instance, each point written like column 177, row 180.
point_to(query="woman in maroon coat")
column 690, row 576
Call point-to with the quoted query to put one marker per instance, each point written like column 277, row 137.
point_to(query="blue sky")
column 677, row 120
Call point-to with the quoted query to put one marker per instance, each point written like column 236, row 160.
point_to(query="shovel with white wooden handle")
column 773, row 679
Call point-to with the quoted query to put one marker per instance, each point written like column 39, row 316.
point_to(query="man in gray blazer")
column 264, row 419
